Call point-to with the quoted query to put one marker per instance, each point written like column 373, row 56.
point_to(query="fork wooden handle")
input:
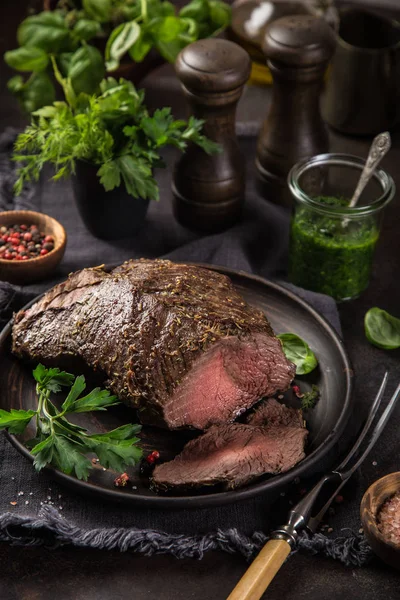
column 262, row 571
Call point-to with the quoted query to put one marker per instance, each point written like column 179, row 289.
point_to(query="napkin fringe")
column 51, row 529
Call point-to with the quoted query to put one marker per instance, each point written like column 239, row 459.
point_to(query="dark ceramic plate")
column 326, row 421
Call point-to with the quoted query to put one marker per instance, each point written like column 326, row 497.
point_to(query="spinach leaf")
column 86, row 70
column 298, row 352
column 47, row 31
column 119, row 42
column 157, row 8
column 33, row 93
column 27, row 59
column 86, row 29
column 211, row 16
column 220, row 14
column 64, row 61
column 15, row 84
column 382, row 329
column 142, row 46
column 99, row 10
column 172, row 34
column 197, row 9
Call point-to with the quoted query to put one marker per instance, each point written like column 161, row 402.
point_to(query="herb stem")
column 66, row 86
column 143, row 4
column 46, row 413
column 40, row 395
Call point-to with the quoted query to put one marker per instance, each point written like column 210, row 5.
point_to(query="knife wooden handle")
column 262, row 571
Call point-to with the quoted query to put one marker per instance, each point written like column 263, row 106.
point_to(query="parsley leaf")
column 138, row 177
column 114, row 453
column 43, row 452
column 15, row 420
column 69, row 459
column 121, row 433
column 76, row 390
column 97, row 399
column 110, row 175
column 52, row 379
column 63, row 444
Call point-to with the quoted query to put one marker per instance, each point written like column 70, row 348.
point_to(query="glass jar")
column 331, row 245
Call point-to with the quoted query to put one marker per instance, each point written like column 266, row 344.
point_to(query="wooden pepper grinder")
column 298, row 49
column 209, row 189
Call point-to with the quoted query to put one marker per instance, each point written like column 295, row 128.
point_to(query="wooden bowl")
column 372, row 501
column 40, row 267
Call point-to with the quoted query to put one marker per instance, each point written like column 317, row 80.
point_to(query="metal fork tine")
column 365, row 429
column 315, row 520
column 376, row 432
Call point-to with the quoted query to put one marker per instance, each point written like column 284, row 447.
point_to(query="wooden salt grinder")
column 298, row 49
column 209, row 189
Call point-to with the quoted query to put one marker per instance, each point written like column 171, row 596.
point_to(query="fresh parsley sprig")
column 61, row 443
column 111, row 130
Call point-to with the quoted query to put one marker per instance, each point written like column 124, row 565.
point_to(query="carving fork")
column 272, row 556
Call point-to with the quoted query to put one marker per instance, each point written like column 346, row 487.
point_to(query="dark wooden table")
column 79, row 574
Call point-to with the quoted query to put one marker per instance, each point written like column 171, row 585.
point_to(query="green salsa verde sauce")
column 331, row 255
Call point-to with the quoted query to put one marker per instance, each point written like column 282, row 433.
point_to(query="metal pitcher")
column 363, row 88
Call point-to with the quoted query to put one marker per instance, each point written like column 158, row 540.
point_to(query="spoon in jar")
column 380, row 146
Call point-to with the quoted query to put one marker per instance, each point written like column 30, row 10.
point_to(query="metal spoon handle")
column 379, row 147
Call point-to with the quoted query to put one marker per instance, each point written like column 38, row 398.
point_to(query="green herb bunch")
column 59, row 442
column 78, row 32
column 112, row 130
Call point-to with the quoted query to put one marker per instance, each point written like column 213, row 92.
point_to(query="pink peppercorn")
column 153, row 457
column 17, row 243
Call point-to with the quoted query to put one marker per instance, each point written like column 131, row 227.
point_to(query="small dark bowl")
column 40, row 267
column 372, row 501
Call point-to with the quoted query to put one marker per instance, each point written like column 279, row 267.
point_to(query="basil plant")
column 88, row 38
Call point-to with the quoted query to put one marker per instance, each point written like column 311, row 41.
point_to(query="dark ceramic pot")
column 110, row 215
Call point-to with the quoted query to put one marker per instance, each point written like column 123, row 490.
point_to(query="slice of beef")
column 270, row 413
column 175, row 341
column 232, row 454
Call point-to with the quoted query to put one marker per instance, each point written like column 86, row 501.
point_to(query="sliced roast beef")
column 232, row 455
column 270, row 413
column 175, row 341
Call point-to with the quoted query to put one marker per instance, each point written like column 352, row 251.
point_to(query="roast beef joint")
column 175, row 341
column 179, row 344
